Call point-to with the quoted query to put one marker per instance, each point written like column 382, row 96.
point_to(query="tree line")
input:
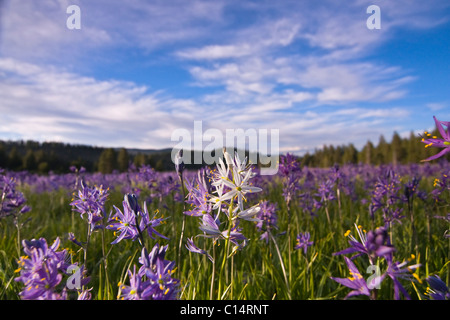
column 58, row 157
column 398, row 151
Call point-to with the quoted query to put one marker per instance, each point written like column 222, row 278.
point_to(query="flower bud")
column 179, row 163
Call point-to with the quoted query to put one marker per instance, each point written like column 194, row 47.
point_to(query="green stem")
column 211, row 292
column 88, row 237
column 105, row 264
column 289, row 240
column 184, row 219
column 18, row 236
column 282, row 266
column 227, row 244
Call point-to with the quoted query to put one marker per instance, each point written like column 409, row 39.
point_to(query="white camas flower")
column 241, row 166
column 249, row 214
column 217, row 200
column 222, row 172
column 228, row 158
column 240, row 185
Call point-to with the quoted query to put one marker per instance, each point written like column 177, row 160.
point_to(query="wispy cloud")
column 53, row 104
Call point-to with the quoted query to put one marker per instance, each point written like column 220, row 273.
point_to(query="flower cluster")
column 153, row 280
column 303, row 242
column 441, row 186
column 290, row 170
column 199, row 193
column 90, row 201
column 268, row 219
column 386, row 192
column 12, row 202
column 42, row 269
column 375, row 245
column 133, row 221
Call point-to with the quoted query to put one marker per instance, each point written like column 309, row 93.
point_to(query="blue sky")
column 137, row 71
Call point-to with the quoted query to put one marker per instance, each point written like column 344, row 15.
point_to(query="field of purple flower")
column 355, row 231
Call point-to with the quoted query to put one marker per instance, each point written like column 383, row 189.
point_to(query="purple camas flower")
column 154, row 279
column 308, row 203
column 412, row 189
column 123, row 223
column 41, row 271
column 303, row 242
column 149, row 224
column 373, row 244
column 377, row 243
column 135, row 289
column 268, row 219
column 386, row 191
column 391, row 215
column 90, row 201
column 326, row 192
column 165, row 185
column 210, row 227
column 198, row 196
column 290, row 171
column 436, row 142
column 437, row 290
column 73, row 239
column 126, row 222
column 190, row 245
column 339, row 179
column 288, row 165
column 12, row 202
column 161, row 284
column 396, row 271
column 355, row 282
column 440, row 186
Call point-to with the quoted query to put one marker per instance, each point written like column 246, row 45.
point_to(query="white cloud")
column 436, row 106
column 53, row 104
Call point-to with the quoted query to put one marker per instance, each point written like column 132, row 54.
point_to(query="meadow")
column 345, row 232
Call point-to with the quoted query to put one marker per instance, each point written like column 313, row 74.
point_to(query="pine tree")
column 397, row 151
column 123, row 160
column 381, row 151
column 29, row 161
column 107, row 161
column 350, row 155
column 14, row 160
column 3, row 157
column 367, row 153
column 139, row 160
